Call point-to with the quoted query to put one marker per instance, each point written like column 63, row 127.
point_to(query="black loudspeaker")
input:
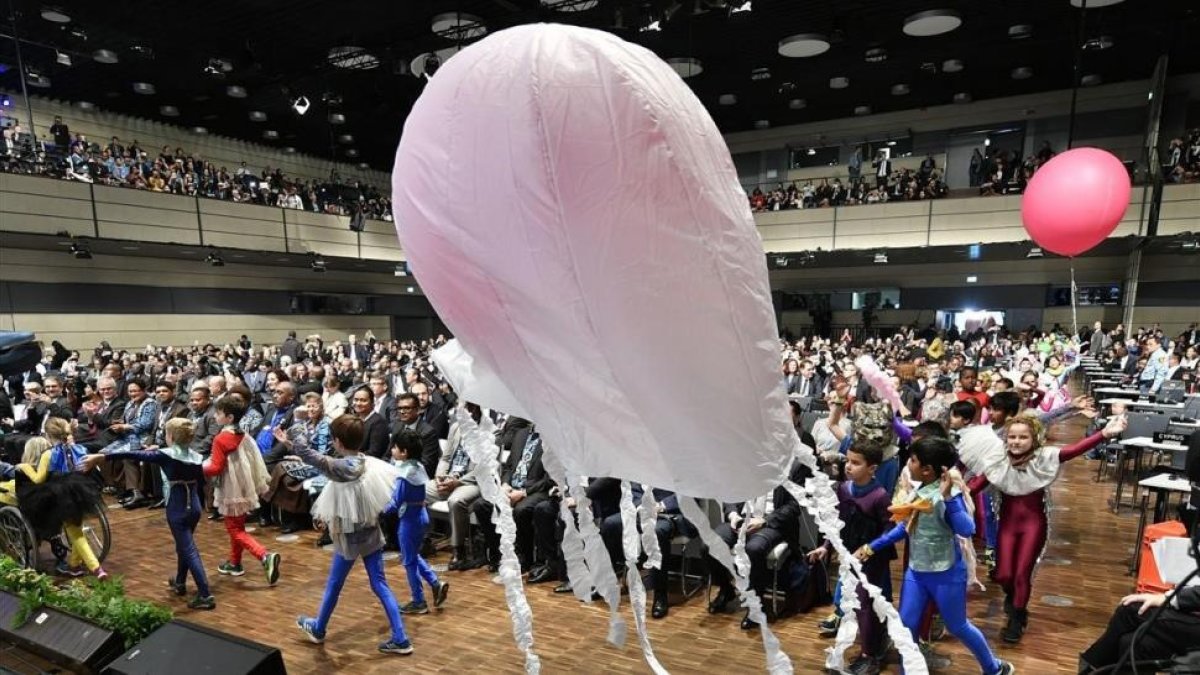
column 181, row 648
column 60, row 638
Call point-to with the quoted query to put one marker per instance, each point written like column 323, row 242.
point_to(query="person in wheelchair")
column 55, row 496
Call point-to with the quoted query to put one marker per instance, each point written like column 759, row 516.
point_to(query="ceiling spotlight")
column 215, row 259
column 401, row 270
column 875, row 55
column 839, row 82
column 270, row 134
column 686, row 66
column 810, row 152
column 962, row 97
column 80, row 251
column 781, row 261
column 651, row 27
column 352, row 152
column 35, row 79
column 727, row 99
column 55, row 15
column 85, row 105
column 291, row 149
column 803, row 46
column 258, row 116
column 235, row 91
column 1020, row 31
column 168, row 111
column 762, row 124
column 317, row 264
column 301, row 105
column 1090, row 80
column 106, row 56
column 1098, row 43
column 62, row 58
column 952, row 66
column 786, row 88
column 738, row 8
column 351, row 57
column 972, row 279
column 337, row 118
column 1035, row 252
column 761, row 73
column 218, row 67
column 144, row 88
column 932, row 22
column 797, row 104
column 891, row 144
column 1022, row 73
column 200, row 130
column 363, row 165
column 458, row 26
column 346, row 138
column 900, row 89
column 862, row 110
column 881, row 258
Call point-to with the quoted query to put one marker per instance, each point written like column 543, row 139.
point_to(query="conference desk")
column 1117, row 391
column 1138, row 445
column 1162, row 485
column 1160, row 407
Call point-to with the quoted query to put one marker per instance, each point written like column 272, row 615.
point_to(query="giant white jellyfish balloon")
column 573, row 215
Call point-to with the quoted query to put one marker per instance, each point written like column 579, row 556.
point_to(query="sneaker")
column 203, row 602
column 1006, row 668
column 271, row 567
column 101, row 575
column 414, row 608
column 989, row 558
column 230, row 569
column 440, row 590
column 309, row 627
column 828, row 627
column 177, row 588
column 864, row 665
column 392, row 647
column 65, row 570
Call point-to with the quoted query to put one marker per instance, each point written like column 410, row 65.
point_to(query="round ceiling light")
column 875, row 55
column 762, row 124
column 291, row 150
column 458, row 26
column 144, row 88
column 337, row 118
column 727, row 99
column 168, row 111
column 839, row 82
column 803, row 46
column 200, row 130
column 352, row 152
column 235, row 91
column 932, row 22
column 85, row 105
column 686, row 66
column 570, row 5
column 900, row 89
column 1020, row 31
column 106, row 56
column 363, row 165
column 351, row 57
column 962, row 97
column 862, row 110
column 797, row 104
column 1090, row 80
column 952, row 66
column 1095, row 4
column 258, row 116
column 1022, row 73
column 270, row 134
column 346, row 138
column 55, row 15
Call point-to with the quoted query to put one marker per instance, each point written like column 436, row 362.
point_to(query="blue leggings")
column 410, row 534
column 337, row 578
column 183, row 528
column 947, row 590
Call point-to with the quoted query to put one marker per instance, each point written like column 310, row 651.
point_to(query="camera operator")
column 1176, row 632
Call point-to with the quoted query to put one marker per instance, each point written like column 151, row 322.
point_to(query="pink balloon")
column 1075, row 200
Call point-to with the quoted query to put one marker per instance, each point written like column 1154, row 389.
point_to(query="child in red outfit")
column 240, row 476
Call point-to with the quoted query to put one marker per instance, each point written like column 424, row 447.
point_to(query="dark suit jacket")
column 278, row 450
column 375, row 437
column 94, row 430
column 206, row 430
column 537, row 481
column 387, row 409
column 307, row 386
column 435, row 416
column 431, row 450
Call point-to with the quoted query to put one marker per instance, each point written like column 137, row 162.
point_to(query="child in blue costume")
column 408, row 502
column 183, row 478
column 934, row 514
column 359, row 488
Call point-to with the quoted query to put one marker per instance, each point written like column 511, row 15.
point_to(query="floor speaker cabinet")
column 60, row 638
column 182, row 648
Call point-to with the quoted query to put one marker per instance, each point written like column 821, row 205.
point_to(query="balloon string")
column 1074, row 300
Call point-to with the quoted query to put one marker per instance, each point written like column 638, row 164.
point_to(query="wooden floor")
column 1078, row 584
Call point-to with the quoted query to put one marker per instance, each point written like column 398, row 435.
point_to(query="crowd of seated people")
column 893, row 185
column 1181, row 161
column 73, row 156
column 295, row 388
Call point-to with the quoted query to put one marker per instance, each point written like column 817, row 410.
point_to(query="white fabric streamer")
column 738, row 565
column 572, row 543
column 479, row 440
column 637, row 593
column 649, row 539
column 603, row 578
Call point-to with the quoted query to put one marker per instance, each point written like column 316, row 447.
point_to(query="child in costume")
column 863, row 507
column 183, row 479
column 359, row 489
column 1021, row 476
column 408, row 503
column 237, row 469
column 54, row 496
column 934, row 515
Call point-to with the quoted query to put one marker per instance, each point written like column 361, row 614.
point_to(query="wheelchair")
column 18, row 541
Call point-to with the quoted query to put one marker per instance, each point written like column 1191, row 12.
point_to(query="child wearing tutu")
column 359, row 489
column 408, row 503
column 240, row 477
column 55, row 497
column 183, row 478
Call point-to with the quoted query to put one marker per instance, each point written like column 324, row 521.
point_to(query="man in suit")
column 312, row 384
column 809, row 383
column 1098, row 342
column 255, row 377
column 883, row 168
column 278, row 414
column 385, row 403
column 95, row 421
column 202, row 414
column 433, row 411
column 1174, row 369
column 356, row 352
column 526, row 484
column 291, row 347
column 408, row 416
column 1123, row 362
column 1177, row 632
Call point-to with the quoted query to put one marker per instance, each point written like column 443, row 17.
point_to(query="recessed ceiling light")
column 144, row 88
column 762, row 124
column 410, row 289
column 1022, row 73
column 291, row 150
column 106, row 56
column 727, row 99
column 346, row 138
column 1095, row 4
column 37, row 80
column 270, row 134
column 337, row 118
column 686, row 66
column 900, row 89
column 85, row 105
column 972, row 279
column 797, row 104
column 932, row 22
column 962, row 97
column 168, row 111
column 458, row 26
column 258, row 116
column 351, row 57
column 570, row 5
column 876, row 55
column 363, row 165
column 200, row 130
column 862, row 110
column 952, row 66
column 839, row 82
column 235, row 91
column 55, row 15
column 760, row 73
column 786, row 88
column 1098, row 43
column 352, row 152
column 804, row 45
column 1090, row 80
column 1020, row 31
